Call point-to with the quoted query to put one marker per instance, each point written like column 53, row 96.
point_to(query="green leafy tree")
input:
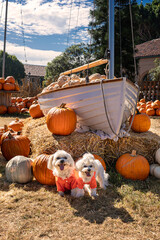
column 74, row 56
column 149, row 23
column 99, row 33
column 13, row 67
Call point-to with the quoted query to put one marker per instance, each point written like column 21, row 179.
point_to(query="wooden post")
column 5, row 98
column 86, row 66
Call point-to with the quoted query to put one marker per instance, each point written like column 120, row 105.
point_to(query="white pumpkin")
column 156, row 172
column 157, row 156
column 19, row 170
column 152, row 167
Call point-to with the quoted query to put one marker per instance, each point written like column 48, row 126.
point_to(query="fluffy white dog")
column 90, row 170
column 62, row 165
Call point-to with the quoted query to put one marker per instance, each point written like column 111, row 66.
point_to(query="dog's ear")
column 96, row 164
column 50, row 162
column 78, row 164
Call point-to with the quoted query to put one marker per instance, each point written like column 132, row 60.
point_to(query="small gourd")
column 19, row 170
column 155, row 170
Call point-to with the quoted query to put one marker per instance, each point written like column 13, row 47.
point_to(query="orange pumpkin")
column 41, row 172
column 12, row 109
column 132, row 166
column 16, row 125
column 142, row 100
column 9, row 86
column 154, row 105
column 28, row 104
column 3, row 109
column 24, row 110
column 10, row 79
column 2, row 80
column 150, row 112
column 19, row 99
column 61, row 120
column 14, row 146
column 5, row 135
column 141, row 122
column 35, row 111
column 158, row 111
column 157, row 102
column 13, row 100
column 142, row 110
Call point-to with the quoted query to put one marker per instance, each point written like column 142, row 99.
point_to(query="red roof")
column 150, row 48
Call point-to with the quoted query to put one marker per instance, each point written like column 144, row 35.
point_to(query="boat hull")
column 100, row 106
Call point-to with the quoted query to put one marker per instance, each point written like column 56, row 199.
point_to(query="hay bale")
column 76, row 144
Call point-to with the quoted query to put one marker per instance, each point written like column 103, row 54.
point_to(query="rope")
column 69, row 25
column 120, row 40
column 79, row 3
column 133, row 45
column 106, row 113
column 1, row 10
column 22, row 26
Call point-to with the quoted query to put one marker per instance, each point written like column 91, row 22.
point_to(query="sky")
column 40, row 30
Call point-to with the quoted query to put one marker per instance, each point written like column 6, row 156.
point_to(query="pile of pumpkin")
column 9, row 84
column 22, row 169
column 151, row 108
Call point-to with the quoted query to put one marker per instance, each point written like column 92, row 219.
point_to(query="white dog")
column 90, row 170
column 62, row 165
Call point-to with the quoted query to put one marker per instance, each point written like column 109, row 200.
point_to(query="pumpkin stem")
column 17, row 119
column 133, row 154
column 10, row 135
column 62, row 105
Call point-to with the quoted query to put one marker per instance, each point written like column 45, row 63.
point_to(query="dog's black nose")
column 62, row 161
column 89, row 169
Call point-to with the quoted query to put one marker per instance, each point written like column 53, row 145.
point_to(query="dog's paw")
column 61, row 194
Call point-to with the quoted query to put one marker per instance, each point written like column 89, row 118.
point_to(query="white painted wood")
column 87, row 102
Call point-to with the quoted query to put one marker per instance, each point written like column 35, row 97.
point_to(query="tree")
column 149, row 24
column 13, row 67
column 74, row 56
column 99, row 33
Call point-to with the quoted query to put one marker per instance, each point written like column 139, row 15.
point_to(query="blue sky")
column 39, row 30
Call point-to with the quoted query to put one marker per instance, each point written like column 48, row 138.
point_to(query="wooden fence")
column 150, row 90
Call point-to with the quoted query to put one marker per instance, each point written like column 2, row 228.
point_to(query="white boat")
column 119, row 96
column 103, row 105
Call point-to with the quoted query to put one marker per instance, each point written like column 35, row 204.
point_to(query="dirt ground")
column 128, row 210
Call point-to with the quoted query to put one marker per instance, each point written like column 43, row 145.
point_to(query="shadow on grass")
column 19, row 115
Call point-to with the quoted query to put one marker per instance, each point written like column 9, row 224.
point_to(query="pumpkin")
column 154, row 105
column 142, row 100
column 9, row 86
column 35, row 111
column 1, row 86
column 19, row 99
column 132, row 166
column 3, row 109
column 157, row 102
column 158, row 111
column 141, row 122
column 24, row 110
column 21, row 105
column 142, row 110
column 157, row 156
column 10, row 79
column 28, row 104
column 12, row 109
column 13, row 100
column 150, row 112
column 61, row 120
column 16, row 125
column 19, row 170
column 5, row 134
column 2, row 80
column 155, row 170
column 41, row 172
column 15, row 145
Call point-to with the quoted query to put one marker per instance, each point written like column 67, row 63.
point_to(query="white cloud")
column 46, row 18
column 33, row 56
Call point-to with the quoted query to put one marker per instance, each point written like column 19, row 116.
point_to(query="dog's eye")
column 58, row 158
column 85, row 166
column 65, row 157
column 90, row 166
